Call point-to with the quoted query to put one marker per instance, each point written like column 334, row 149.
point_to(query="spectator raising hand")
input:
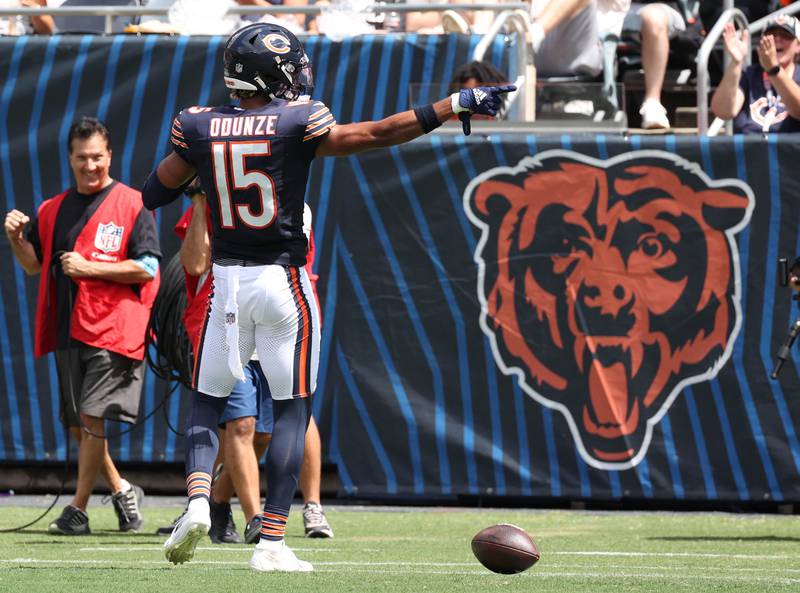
column 763, row 97
column 736, row 45
column 767, row 53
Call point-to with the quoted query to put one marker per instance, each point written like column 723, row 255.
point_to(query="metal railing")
column 110, row 12
column 703, row 85
column 525, row 82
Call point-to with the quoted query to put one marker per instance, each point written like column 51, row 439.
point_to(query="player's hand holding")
column 75, row 265
column 483, row 100
column 14, row 225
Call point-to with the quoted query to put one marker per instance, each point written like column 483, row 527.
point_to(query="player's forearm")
column 390, row 131
column 195, row 253
column 26, row 256
column 124, row 272
column 167, row 182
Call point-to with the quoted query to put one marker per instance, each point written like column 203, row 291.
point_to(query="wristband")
column 456, row 104
column 426, row 116
column 149, row 263
column 774, row 70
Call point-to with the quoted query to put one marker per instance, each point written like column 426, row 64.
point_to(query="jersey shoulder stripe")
column 320, row 121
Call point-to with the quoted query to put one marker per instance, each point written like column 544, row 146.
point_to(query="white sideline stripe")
column 233, row 548
column 220, row 548
column 539, row 573
column 465, row 564
column 680, row 555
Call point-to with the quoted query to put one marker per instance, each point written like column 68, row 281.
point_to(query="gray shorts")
column 633, row 20
column 572, row 48
column 98, row 383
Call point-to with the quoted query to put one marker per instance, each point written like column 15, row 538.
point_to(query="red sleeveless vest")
column 107, row 315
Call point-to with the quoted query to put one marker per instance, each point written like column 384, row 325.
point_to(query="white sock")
column 126, row 485
column 270, row 545
column 199, row 504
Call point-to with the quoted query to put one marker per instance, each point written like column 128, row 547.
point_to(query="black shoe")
column 72, row 521
column 168, row 529
column 252, row 533
column 223, row 529
column 126, row 506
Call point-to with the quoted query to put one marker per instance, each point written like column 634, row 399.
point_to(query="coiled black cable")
column 170, row 356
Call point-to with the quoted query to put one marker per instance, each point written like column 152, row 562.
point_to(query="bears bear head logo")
column 607, row 286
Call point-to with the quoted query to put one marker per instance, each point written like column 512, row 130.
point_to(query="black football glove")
column 484, row 100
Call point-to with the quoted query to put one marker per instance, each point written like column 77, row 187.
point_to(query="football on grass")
column 505, row 548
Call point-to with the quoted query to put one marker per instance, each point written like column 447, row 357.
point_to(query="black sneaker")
column 126, row 505
column 72, row 521
column 252, row 533
column 168, row 529
column 223, row 529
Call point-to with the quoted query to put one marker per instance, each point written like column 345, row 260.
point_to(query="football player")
column 253, row 160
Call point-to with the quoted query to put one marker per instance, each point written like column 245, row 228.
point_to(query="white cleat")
column 190, row 528
column 278, row 558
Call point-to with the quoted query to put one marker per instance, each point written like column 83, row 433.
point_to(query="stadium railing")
column 110, row 12
column 512, row 17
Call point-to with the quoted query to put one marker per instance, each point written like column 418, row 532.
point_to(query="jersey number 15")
column 231, row 175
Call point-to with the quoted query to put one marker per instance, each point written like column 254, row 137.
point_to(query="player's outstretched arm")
column 402, row 127
column 167, row 182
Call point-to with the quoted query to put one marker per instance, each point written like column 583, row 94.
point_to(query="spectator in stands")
column 199, row 17
column 657, row 23
column 17, row 25
column 96, row 251
column 477, row 73
column 566, row 34
column 294, row 22
column 764, row 97
column 450, row 21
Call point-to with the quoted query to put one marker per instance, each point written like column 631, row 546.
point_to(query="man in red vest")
column 96, row 252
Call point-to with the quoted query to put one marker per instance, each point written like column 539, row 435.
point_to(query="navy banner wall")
column 561, row 316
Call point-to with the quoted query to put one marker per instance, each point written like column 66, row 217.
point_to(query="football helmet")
column 266, row 57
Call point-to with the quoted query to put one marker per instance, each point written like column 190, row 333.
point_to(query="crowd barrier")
column 565, row 316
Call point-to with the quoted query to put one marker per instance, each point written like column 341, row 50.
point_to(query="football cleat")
column 278, row 558
column 191, row 527
column 223, row 529
column 168, row 529
column 315, row 522
column 127, row 507
column 72, row 521
column 252, row 532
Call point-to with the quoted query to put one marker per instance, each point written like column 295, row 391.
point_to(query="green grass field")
column 422, row 550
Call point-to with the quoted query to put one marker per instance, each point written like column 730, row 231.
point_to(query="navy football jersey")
column 253, row 166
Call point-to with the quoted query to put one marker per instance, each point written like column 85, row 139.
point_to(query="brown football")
column 505, row 548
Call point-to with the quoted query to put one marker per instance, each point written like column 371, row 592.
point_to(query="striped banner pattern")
column 410, row 400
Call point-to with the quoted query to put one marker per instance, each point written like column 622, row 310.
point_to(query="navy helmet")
column 265, row 57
